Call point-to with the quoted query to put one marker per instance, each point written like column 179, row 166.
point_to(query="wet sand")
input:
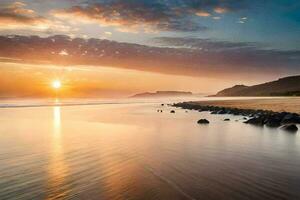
column 285, row 104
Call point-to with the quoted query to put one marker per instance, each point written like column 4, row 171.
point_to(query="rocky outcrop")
column 259, row 121
column 203, row 121
column 254, row 117
column 291, row 118
column 290, row 128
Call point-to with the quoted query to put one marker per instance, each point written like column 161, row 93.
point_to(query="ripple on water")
column 115, row 152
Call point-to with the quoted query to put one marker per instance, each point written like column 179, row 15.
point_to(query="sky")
column 122, row 47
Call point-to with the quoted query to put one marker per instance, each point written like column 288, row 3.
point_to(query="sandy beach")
column 285, row 104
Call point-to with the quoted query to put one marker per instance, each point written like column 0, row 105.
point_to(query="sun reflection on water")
column 57, row 168
column 56, row 121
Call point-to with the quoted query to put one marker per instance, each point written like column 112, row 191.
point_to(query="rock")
column 222, row 112
column 186, row 111
column 250, row 116
column 256, row 121
column 203, row 121
column 272, row 122
column 291, row 118
column 290, row 127
column 226, row 119
column 162, row 104
column 235, row 111
column 172, row 111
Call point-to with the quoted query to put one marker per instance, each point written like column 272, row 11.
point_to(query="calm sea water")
column 130, row 151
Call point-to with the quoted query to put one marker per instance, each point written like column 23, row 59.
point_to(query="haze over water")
column 130, row 151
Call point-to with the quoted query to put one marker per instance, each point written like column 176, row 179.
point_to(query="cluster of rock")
column 285, row 120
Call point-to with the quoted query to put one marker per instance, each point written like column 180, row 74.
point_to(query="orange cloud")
column 128, row 17
column 202, row 13
column 98, row 14
column 221, row 10
column 191, row 56
column 17, row 16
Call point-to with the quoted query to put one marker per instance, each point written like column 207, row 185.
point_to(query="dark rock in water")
column 226, row 119
column 291, row 118
column 256, row 121
column 256, row 117
column 272, row 122
column 222, row 112
column 172, row 111
column 290, row 127
column 203, row 121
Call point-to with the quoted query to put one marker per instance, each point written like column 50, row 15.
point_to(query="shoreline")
column 270, row 112
column 288, row 104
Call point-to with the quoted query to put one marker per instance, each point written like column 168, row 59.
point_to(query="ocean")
column 125, row 149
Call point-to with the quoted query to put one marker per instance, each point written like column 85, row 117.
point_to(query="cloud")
column 183, row 56
column 216, row 18
column 128, row 16
column 221, row 10
column 202, row 13
column 16, row 16
column 145, row 15
column 203, row 44
column 242, row 20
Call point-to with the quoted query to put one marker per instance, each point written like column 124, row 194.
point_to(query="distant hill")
column 162, row 94
column 288, row 86
column 232, row 91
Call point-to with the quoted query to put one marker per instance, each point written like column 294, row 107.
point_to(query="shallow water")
column 129, row 151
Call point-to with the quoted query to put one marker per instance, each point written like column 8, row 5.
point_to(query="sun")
column 56, row 84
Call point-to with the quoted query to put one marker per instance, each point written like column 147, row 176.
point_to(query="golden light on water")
column 57, row 168
column 56, row 120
